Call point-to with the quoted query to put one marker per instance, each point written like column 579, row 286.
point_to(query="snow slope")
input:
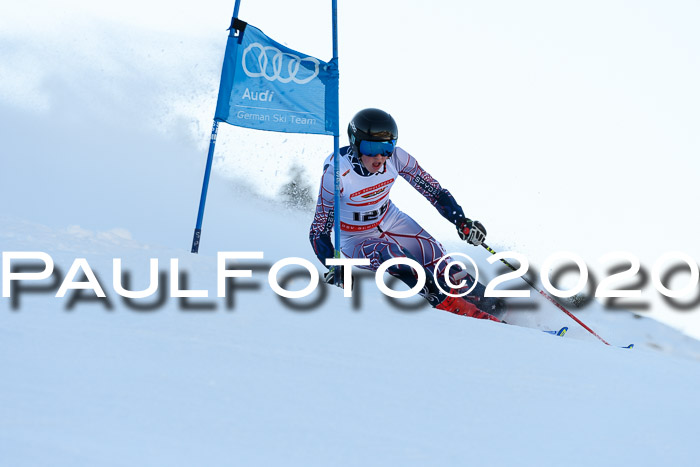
column 259, row 383
column 102, row 151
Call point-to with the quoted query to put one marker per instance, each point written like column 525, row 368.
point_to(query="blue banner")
column 267, row 86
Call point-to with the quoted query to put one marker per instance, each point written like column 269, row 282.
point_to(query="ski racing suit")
column 373, row 227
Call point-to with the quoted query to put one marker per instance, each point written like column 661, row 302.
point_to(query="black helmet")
column 371, row 125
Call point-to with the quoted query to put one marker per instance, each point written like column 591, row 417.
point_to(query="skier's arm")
column 322, row 225
column 470, row 231
column 427, row 186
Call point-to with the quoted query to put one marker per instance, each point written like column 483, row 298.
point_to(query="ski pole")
column 548, row 297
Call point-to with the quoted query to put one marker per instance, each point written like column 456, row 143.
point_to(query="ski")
column 559, row 333
column 563, row 330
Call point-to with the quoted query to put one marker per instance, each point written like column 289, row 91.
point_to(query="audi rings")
column 267, row 55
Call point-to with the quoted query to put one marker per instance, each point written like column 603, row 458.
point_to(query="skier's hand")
column 473, row 232
column 329, row 277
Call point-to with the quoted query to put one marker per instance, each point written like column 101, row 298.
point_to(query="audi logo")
column 285, row 67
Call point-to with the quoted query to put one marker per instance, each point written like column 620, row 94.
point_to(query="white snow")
column 258, row 383
column 104, row 115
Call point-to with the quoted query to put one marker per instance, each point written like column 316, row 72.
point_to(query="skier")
column 372, row 227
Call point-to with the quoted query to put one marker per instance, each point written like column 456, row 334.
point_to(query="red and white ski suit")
column 371, row 225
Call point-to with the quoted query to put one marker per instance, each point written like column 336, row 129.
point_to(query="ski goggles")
column 377, row 148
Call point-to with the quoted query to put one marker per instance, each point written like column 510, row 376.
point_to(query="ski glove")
column 473, row 232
